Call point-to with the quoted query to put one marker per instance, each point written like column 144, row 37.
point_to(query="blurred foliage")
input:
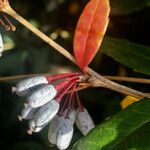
column 120, row 7
column 129, row 54
column 25, row 53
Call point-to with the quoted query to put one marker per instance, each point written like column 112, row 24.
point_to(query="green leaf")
column 127, row 53
column 124, row 7
column 134, row 142
column 113, row 131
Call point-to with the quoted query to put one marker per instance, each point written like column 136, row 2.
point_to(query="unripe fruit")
column 42, row 96
column 46, row 113
column 65, row 134
column 27, row 113
column 84, row 121
column 60, row 132
column 33, row 128
column 53, row 130
column 24, row 86
column 71, row 116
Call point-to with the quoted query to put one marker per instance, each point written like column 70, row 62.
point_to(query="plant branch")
column 128, row 79
column 96, row 79
column 10, row 78
column 115, row 78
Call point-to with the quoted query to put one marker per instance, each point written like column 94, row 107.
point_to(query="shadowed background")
column 26, row 54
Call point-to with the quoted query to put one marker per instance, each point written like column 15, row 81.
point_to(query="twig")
column 116, row 78
column 99, row 80
column 96, row 79
column 18, row 77
column 128, row 79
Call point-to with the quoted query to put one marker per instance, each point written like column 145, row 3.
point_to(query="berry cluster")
column 51, row 100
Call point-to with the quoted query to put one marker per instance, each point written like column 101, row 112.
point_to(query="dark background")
column 58, row 18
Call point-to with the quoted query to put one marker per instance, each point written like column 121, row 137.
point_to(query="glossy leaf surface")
column 90, row 30
column 111, row 133
column 130, row 54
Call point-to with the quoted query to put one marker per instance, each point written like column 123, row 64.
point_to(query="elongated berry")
column 84, row 121
column 65, row 133
column 60, row 131
column 53, row 130
column 46, row 113
column 24, row 86
column 27, row 113
column 1, row 45
column 34, row 128
column 54, row 127
column 43, row 116
column 42, row 96
column 71, row 115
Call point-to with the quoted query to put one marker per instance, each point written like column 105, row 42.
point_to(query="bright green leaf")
column 113, row 131
column 127, row 53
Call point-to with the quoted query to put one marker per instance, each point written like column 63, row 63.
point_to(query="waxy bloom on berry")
column 65, row 133
column 71, row 115
column 27, row 113
column 53, row 130
column 44, row 115
column 24, row 86
column 61, row 131
column 34, row 128
column 84, row 121
column 43, row 98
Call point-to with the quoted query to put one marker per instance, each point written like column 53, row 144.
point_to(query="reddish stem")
column 64, row 105
column 7, row 28
column 60, row 86
column 71, row 100
column 61, row 76
column 79, row 102
column 10, row 23
column 69, row 86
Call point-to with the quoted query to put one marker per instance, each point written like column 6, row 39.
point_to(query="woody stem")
column 97, row 79
column 115, row 78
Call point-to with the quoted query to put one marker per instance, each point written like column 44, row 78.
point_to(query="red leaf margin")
column 90, row 31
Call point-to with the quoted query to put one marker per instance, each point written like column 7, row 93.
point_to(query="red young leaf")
column 90, row 30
